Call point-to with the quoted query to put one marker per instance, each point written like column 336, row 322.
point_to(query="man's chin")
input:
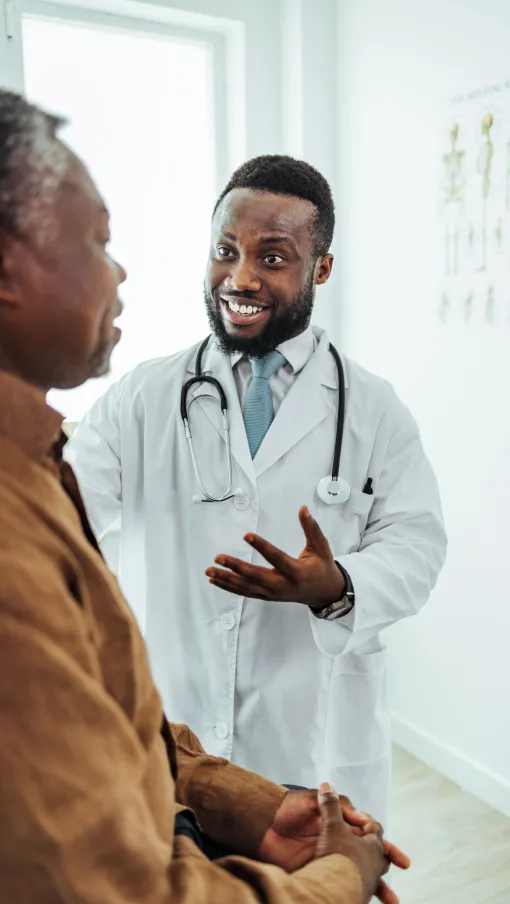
column 101, row 364
column 243, row 332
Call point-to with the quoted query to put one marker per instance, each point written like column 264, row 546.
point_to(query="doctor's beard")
column 277, row 329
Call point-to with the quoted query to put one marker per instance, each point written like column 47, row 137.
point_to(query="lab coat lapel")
column 218, row 365
column 311, row 398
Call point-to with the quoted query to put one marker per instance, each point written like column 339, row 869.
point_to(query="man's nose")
column 122, row 274
column 243, row 277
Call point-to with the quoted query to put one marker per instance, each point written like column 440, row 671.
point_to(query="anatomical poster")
column 474, row 207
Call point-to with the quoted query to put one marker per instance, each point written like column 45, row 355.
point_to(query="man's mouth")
column 242, row 312
column 116, row 330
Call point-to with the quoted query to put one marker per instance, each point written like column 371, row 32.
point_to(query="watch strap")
column 341, row 607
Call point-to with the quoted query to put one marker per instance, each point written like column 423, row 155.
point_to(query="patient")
column 93, row 777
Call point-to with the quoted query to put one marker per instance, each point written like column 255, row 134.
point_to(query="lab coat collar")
column 297, row 351
column 311, row 398
column 308, row 402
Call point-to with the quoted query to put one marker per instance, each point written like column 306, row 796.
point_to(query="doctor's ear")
column 324, row 267
column 9, row 285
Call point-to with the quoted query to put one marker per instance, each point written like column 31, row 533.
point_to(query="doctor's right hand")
column 366, row 851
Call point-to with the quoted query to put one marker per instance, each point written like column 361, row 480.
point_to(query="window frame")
column 224, row 37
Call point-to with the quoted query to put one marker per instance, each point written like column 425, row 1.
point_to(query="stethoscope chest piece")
column 333, row 492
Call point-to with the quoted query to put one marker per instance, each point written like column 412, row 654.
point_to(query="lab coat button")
column 241, row 502
column 227, row 622
column 221, row 730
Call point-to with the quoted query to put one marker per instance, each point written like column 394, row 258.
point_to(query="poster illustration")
column 474, row 190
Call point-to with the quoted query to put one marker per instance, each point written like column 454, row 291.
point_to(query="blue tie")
column 258, row 410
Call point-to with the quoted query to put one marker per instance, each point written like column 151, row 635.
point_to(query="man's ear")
column 324, row 268
column 10, row 293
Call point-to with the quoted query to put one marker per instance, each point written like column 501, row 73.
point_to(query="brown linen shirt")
column 87, row 798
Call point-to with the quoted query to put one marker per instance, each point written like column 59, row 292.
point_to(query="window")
column 141, row 112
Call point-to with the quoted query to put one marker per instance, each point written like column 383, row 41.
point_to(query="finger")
column 352, row 815
column 372, row 827
column 315, row 539
column 239, row 587
column 254, row 573
column 396, row 856
column 283, row 563
column 391, row 851
column 330, row 806
column 385, row 894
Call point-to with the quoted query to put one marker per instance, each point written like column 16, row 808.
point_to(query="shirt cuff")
column 234, row 807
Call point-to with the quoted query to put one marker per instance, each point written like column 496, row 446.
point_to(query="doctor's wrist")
column 342, row 602
column 335, row 591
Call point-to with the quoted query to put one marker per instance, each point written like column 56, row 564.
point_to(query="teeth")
column 244, row 309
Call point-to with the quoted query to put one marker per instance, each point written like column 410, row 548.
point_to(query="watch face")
column 337, row 610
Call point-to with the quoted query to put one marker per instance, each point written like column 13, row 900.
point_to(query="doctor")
column 277, row 661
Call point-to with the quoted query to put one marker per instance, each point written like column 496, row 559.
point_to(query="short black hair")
column 32, row 161
column 282, row 175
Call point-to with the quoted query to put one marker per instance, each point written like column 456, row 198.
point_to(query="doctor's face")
column 261, row 276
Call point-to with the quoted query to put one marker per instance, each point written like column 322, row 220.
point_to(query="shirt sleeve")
column 213, row 787
column 74, row 808
column 402, row 550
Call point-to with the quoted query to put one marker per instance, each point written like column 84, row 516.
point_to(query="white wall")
column 400, row 64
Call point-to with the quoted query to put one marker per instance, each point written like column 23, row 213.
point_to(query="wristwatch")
column 342, row 606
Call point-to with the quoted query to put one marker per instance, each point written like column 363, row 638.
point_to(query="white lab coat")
column 268, row 685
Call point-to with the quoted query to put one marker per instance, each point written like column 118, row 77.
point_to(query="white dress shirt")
column 297, row 353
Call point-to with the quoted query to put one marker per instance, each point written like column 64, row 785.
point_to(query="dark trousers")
column 185, row 824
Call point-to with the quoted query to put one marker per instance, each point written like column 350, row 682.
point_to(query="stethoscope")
column 332, row 490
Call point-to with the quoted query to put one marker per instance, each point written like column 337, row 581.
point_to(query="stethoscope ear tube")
column 202, row 379
column 340, row 416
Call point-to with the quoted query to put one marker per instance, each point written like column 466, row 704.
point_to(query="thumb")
column 333, row 826
column 330, row 807
column 315, row 539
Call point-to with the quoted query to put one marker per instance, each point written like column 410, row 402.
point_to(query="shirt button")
column 221, row 731
column 241, row 502
column 227, row 622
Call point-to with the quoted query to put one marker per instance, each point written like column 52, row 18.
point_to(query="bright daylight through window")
column 141, row 114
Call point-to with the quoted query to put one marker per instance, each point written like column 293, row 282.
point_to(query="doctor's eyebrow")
column 266, row 239
column 277, row 240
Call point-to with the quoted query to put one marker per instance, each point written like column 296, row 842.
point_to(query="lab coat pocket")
column 344, row 524
column 360, row 503
column 357, row 729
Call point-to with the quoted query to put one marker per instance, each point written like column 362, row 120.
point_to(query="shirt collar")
column 28, row 421
column 296, row 351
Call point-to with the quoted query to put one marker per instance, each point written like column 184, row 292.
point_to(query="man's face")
column 58, row 296
column 261, row 276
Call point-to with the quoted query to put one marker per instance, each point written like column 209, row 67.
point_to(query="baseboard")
column 453, row 764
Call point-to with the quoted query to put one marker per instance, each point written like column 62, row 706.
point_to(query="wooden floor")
column 460, row 847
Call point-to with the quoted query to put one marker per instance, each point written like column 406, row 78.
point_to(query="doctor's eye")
column 273, row 259
column 223, row 251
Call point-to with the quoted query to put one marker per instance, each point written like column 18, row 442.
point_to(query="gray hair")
column 32, row 164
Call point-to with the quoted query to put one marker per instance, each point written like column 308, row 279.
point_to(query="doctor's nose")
column 243, row 278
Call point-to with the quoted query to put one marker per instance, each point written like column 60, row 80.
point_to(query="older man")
column 87, row 798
